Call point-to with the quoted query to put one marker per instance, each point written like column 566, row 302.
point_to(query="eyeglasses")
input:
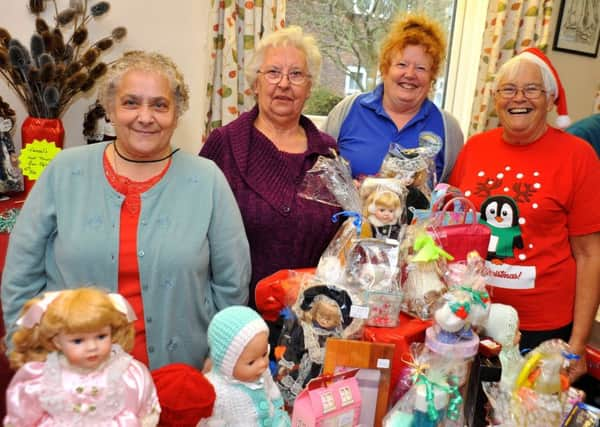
column 295, row 77
column 529, row 92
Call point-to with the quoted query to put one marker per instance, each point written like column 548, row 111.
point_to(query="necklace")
column 127, row 159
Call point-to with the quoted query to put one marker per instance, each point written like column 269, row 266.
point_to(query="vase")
column 41, row 140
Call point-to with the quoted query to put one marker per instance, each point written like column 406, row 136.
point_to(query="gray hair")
column 144, row 61
column 289, row 36
column 511, row 68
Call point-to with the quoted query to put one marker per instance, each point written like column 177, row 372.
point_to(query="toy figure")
column 245, row 392
column 323, row 312
column 383, row 211
column 423, row 285
column 185, row 395
column 503, row 326
column 11, row 179
column 73, row 369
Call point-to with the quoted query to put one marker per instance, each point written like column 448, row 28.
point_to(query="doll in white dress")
column 72, row 365
column 239, row 352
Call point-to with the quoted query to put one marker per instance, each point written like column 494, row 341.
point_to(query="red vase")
column 35, row 128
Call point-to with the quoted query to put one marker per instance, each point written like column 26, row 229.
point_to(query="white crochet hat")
column 502, row 323
column 228, row 334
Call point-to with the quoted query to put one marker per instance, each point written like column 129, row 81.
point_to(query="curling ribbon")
column 350, row 214
column 427, row 250
column 453, row 404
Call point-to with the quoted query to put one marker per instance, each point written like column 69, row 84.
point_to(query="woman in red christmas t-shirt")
column 537, row 189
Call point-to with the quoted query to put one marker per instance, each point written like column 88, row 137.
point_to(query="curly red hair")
column 410, row 30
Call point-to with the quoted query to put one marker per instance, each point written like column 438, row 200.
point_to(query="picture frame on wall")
column 578, row 27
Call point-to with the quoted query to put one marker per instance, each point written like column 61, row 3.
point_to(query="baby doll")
column 245, row 392
column 72, row 364
column 503, row 326
column 185, row 395
column 383, row 211
column 323, row 313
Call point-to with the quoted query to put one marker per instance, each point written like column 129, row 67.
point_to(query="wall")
column 579, row 74
column 178, row 31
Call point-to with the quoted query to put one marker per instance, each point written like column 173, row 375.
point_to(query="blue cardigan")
column 193, row 253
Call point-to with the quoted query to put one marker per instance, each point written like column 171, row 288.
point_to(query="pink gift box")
column 329, row 399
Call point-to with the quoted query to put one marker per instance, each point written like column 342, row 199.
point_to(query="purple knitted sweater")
column 283, row 229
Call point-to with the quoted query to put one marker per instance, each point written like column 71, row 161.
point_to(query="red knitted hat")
column 560, row 99
column 185, row 395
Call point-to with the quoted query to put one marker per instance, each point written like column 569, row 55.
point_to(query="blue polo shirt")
column 367, row 132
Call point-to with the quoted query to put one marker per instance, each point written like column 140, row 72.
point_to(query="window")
column 348, row 32
column 355, row 80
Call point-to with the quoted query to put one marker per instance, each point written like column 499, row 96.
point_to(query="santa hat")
column 184, row 393
column 560, row 99
column 228, row 334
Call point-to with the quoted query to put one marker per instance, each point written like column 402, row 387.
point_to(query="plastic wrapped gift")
column 432, row 399
column 415, row 167
column 423, row 284
column 321, row 311
column 538, row 396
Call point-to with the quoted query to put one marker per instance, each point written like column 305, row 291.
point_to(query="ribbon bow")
column 478, row 297
column 35, row 312
column 461, row 309
column 350, row 214
column 427, row 250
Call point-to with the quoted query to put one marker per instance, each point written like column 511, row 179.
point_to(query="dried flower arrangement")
column 56, row 68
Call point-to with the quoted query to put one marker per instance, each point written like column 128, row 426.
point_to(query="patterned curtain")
column 237, row 26
column 511, row 26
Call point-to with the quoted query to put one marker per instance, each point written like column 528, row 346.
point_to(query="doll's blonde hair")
column 81, row 310
column 387, row 198
column 319, row 301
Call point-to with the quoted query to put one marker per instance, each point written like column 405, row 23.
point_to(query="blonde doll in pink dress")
column 73, row 369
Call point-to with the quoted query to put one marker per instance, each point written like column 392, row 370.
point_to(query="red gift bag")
column 464, row 237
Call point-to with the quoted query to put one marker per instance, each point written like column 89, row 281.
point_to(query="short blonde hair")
column 289, row 36
column 152, row 62
column 413, row 30
column 79, row 310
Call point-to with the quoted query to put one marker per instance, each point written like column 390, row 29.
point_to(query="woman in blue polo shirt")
column 398, row 109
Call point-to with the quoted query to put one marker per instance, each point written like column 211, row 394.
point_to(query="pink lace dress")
column 53, row 393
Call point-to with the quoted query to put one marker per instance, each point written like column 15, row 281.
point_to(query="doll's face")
column 385, row 214
column 254, row 360
column 327, row 315
column 85, row 350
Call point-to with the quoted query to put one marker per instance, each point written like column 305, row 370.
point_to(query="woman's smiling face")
column 144, row 115
column 523, row 119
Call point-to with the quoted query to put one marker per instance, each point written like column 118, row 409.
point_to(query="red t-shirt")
column 129, row 275
column 533, row 197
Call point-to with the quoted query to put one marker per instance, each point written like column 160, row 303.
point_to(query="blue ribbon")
column 350, row 214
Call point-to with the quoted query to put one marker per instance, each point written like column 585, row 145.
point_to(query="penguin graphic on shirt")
column 501, row 215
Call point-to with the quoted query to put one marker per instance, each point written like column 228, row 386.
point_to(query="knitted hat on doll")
column 185, row 395
column 560, row 99
column 228, row 334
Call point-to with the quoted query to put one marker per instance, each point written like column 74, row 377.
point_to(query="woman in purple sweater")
column 266, row 152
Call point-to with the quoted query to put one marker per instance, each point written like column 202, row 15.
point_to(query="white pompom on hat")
column 230, row 330
column 560, row 99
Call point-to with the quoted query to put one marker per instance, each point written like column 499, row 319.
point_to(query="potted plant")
column 59, row 64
